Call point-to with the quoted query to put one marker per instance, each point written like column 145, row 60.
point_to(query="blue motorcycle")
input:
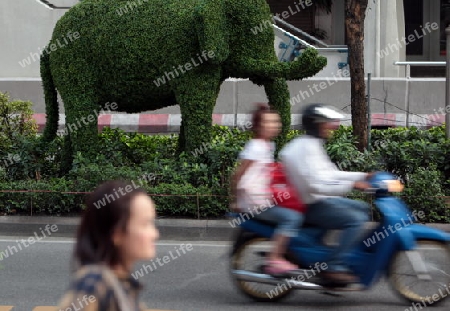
column 414, row 258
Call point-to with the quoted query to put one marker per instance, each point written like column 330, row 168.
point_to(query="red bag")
column 283, row 193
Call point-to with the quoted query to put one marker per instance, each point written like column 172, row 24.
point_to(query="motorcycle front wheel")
column 250, row 257
column 422, row 276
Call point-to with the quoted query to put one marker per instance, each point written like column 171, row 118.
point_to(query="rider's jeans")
column 338, row 213
column 288, row 221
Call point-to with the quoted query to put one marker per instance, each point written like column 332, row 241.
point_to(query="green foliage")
column 187, row 200
column 16, row 119
column 403, row 150
column 424, row 192
column 134, row 56
column 17, row 136
column 128, row 148
column 342, row 150
column 28, row 158
column 211, row 28
column 52, row 201
column 196, row 184
column 420, row 158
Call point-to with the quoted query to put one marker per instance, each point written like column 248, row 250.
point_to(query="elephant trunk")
column 307, row 65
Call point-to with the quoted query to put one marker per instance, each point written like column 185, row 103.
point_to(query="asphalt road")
column 192, row 278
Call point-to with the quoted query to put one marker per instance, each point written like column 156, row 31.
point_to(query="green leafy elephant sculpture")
column 145, row 55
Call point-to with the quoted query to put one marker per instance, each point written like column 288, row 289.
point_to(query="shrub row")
column 196, row 185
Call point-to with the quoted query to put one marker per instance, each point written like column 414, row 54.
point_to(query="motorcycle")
column 397, row 247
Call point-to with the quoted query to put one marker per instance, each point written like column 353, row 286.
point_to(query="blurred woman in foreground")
column 116, row 230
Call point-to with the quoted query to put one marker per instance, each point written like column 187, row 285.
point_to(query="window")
column 413, row 22
column 445, row 22
column 298, row 16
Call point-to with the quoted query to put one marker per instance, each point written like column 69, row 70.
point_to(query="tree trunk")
column 355, row 13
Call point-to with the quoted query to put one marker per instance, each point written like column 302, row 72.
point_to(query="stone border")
column 170, row 123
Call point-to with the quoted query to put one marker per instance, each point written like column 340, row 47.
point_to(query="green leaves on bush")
column 188, row 201
column 424, row 192
column 196, row 184
column 20, row 154
column 16, row 119
column 50, row 201
column 420, row 158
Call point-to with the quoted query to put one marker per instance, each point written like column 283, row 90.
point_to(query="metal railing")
column 326, row 47
column 51, row 6
column 287, row 33
column 409, row 64
column 292, row 49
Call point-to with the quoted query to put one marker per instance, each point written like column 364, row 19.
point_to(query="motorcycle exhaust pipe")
column 248, row 276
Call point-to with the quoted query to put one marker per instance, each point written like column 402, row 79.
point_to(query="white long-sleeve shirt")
column 311, row 171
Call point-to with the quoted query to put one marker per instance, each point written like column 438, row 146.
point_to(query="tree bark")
column 355, row 14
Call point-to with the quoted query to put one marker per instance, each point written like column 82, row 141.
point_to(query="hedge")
column 196, row 184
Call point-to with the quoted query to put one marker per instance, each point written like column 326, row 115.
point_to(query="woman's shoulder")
column 84, row 289
column 88, row 277
column 91, row 279
column 88, row 287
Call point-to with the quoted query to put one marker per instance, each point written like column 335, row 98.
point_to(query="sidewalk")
column 170, row 229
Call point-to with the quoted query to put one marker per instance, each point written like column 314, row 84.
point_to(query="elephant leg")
column 81, row 123
column 197, row 94
column 66, row 156
column 81, row 126
column 278, row 94
column 76, row 82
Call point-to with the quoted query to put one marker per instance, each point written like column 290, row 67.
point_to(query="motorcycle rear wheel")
column 401, row 275
column 248, row 257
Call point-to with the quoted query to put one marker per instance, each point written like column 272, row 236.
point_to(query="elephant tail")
column 51, row 99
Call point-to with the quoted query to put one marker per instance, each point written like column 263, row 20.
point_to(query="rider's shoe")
column 340, row 277
column 279, row 267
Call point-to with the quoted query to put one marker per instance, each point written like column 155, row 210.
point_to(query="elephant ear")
column 212, row 29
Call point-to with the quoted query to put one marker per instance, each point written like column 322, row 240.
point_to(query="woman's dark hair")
column 108, row 209
column 261, row 109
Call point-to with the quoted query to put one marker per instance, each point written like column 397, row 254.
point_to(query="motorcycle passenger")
column 322, row 186
column 257, row 155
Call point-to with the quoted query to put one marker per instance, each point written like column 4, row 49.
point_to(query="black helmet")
column 318, row 113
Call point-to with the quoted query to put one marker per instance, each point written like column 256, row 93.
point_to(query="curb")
column 169, row 229
column 170, row 123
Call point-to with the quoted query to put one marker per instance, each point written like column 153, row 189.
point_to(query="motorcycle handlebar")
column 385, row 185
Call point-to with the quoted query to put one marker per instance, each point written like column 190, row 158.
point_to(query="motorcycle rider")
column 322, row 186
column 257, row 156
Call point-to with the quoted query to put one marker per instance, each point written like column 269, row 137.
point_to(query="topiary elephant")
column 146, row 55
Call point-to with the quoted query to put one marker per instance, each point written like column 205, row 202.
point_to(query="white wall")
column 26, row 28
column 426, row 96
